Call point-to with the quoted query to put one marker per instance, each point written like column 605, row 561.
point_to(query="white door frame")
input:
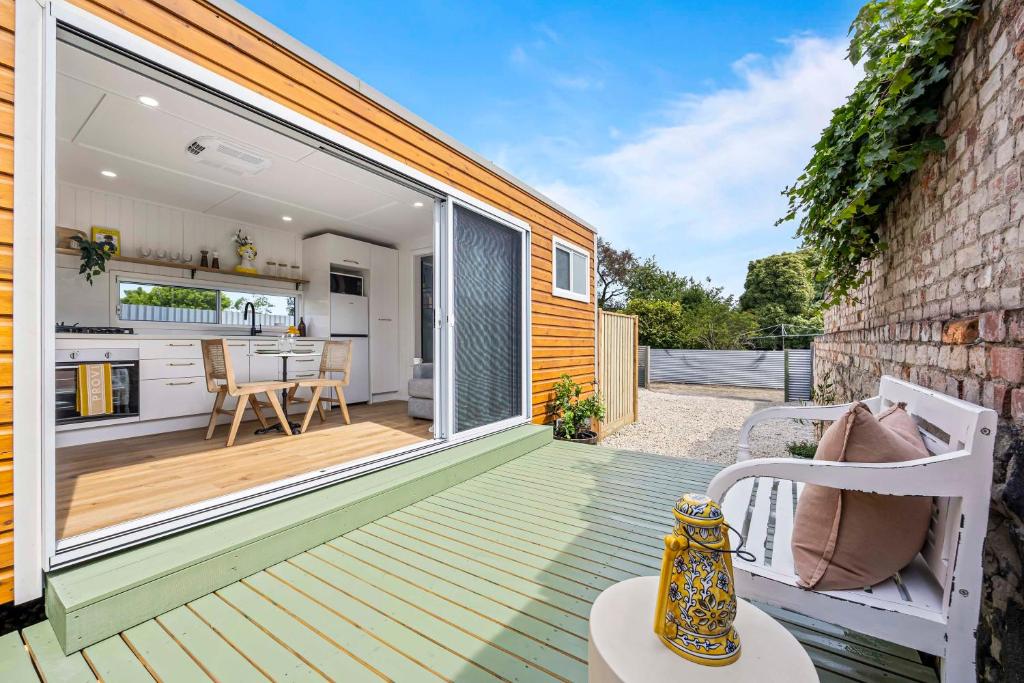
column 35, row 537
column 526, row 376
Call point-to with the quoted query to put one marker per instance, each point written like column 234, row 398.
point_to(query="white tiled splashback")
column 145, row 224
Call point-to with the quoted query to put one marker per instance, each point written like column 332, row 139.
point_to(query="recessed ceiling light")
column 286, row 219
column 417, row 204
column 149, row 101
column 109, row 174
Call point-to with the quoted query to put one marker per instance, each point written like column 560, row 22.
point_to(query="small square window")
column 571, row 275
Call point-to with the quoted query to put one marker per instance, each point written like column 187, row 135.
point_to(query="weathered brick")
column 1007, row 362
column 995, row 395
column 1017, row 405
column 964, row 331
column 992, row 326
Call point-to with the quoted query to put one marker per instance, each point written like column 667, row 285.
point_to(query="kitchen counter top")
column 118, row 338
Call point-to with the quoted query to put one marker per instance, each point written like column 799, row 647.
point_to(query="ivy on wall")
column 879, row 136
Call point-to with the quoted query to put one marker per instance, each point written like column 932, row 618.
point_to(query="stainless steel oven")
column 124, row 381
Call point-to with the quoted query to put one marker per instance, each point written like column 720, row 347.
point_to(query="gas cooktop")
column 61, row 327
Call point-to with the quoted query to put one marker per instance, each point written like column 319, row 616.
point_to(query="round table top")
column 624, row 648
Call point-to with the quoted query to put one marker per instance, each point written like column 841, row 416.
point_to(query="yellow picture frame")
column 100, row 234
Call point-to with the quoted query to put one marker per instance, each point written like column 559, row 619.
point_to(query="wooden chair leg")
column 314, row 403
column 236, row 420
column 218, row 403
column 276, row 405
column 320, row 407
column 254, row 402
column 343, row 405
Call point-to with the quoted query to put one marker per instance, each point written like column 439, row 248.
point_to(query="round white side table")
column 624, row 649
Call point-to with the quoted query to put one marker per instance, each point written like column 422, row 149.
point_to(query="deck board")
column 489, row 579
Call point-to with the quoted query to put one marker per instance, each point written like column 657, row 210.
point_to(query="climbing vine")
column 878, row 137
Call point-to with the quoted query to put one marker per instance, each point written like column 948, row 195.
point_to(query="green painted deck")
column 489, row 579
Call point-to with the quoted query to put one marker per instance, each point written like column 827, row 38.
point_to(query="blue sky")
column 672, row 127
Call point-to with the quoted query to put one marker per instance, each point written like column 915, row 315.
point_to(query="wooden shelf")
column 192, row 268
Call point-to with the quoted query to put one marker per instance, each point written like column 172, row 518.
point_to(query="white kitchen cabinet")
column 303, row 365
column 264, row 368
column 161, row 349
column 383, row 294
column 163, row 398
column 239, row 351
column 170, row 368
column 349, row 253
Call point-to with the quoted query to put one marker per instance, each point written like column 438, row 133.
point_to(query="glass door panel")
column 489, row 330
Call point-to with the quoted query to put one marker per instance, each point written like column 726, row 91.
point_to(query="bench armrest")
column 938, row 475
column 786, row 413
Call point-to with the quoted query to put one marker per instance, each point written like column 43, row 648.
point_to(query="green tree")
column 781, row 280
column 613, row 270
column 260, row 302
column 660, row 322
column 175, row 297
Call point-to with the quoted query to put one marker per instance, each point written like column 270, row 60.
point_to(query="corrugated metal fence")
column 791, row 370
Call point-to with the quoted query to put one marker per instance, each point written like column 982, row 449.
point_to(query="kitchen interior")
column 222, row 228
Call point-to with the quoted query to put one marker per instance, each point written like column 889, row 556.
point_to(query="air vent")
column 227, row 156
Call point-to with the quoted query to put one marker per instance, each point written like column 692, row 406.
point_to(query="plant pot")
column 588, row 438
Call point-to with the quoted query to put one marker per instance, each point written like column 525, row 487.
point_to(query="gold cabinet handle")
column 180, row 384
column 173, row 344
column 175, row 365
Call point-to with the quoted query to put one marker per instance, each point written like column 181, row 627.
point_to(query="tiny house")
column 246, row 188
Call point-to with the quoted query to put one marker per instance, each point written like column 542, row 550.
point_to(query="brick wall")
column 943, row 307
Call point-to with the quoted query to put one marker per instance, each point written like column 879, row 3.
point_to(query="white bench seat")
column 931, row 605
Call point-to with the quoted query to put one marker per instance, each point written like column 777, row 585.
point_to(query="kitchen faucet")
column 245, row 316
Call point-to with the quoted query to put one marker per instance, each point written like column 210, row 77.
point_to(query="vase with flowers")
column 247, row 251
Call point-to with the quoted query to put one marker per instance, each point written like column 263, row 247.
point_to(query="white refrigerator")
column 350, row 320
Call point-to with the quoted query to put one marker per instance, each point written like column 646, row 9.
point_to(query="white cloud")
column 702, row 189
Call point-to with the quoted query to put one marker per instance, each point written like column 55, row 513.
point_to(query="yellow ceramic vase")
column 696, row 604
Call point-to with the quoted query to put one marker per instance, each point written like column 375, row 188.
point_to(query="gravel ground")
column 703, row 423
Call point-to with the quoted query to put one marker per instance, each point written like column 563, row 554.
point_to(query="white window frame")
column 559, row 243
column 119, row 276
column 35, row 544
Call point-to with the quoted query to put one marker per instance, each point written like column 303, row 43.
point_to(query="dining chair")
column 220, row 380
column 336, row 358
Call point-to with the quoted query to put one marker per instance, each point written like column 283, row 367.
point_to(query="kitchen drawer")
column 162, row 349
column 306, row 345
column 163, row 398
column 302, row 374
column 303, row 364
column 169, row 368
column 264, row 368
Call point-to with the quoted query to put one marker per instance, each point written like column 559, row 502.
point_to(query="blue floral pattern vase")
column 696, row 604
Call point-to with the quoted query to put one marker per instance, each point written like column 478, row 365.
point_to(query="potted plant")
column 247, row 250
column 574, row 415
column 94, row 256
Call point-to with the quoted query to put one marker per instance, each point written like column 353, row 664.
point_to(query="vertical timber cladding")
column 564, row 331
column 6, row 299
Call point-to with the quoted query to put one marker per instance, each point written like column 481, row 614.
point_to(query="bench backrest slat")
column 946, row 424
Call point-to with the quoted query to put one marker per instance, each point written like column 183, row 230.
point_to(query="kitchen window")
column 160, row 302
column 571, row 265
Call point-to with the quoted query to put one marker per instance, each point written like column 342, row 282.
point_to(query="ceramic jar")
column 696, row 604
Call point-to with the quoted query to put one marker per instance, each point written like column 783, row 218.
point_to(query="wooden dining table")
column 284, row 356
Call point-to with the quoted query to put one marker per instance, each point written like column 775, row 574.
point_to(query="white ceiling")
column 102, row 126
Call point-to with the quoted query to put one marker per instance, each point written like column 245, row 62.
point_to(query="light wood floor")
column 115, row 481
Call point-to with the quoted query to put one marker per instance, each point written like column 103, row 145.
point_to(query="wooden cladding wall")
column 6, row 299
column 563, row 330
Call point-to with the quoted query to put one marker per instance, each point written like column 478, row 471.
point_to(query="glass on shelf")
column 270, row 268
column 296, row 272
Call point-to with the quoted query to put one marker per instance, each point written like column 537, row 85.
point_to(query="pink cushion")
column 850, row 539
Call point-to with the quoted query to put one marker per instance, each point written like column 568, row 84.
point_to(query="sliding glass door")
column 489, row 334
